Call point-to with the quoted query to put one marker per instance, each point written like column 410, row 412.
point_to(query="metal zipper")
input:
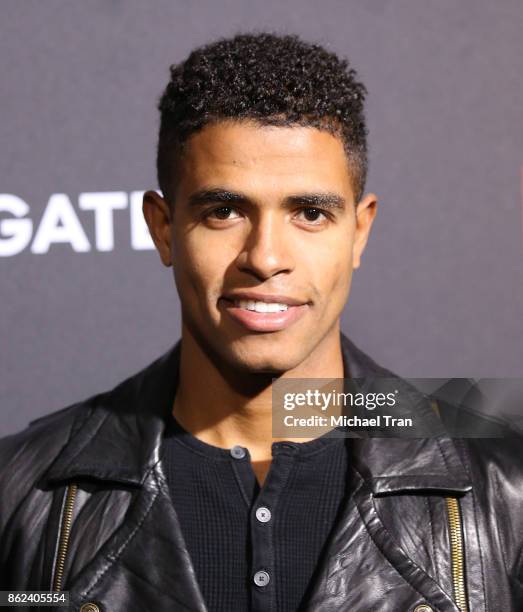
column 65, row 532
column 457, row 553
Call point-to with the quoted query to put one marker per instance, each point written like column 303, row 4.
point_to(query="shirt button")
column 238, row 452
column 263, row 514
column 261, row 578
column 423, row 608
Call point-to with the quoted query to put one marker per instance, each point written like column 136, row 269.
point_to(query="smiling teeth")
column 260, row 306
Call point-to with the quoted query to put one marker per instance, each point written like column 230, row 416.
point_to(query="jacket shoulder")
column 26, row 455
column 502, row 456
column 49, row 430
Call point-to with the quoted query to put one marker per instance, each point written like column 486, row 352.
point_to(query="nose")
column 267, row 249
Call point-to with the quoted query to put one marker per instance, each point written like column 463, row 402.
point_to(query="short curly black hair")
column 271, row 79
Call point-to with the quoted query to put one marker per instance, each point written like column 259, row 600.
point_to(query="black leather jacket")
column 431, row 524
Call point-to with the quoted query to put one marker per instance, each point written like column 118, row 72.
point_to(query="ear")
column 158, row 218
column 366, row 210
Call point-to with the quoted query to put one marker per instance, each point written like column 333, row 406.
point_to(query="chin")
column 265, row 360
column 263, row 367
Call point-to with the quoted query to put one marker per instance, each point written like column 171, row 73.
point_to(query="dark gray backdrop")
column 440, row 292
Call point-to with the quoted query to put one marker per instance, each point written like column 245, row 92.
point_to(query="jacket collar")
column 119, row 434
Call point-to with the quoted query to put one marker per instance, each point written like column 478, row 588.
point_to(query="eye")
column 222, row 213
column 311, row 215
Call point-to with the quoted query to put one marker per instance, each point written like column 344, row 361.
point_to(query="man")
column 169, row 492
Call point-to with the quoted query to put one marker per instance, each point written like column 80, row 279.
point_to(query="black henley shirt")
column 255, row 548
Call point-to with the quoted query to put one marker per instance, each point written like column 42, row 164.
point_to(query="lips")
column 264, row 297
column 243, row 308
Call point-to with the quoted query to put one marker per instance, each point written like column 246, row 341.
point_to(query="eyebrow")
column 224, row 196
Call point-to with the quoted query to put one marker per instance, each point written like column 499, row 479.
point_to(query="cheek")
column 340, row 281
column 195, row 268
column 332, row 265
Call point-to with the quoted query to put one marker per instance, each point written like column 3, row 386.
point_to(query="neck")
column 226, row 407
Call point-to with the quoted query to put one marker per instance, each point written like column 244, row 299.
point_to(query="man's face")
column 261, row 214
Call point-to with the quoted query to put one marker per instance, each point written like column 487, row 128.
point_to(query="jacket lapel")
column 120, row 441
column 144, row 563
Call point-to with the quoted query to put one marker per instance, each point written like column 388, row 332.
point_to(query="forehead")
column 260, row 157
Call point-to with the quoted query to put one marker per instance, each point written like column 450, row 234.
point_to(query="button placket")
column 262, row 525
